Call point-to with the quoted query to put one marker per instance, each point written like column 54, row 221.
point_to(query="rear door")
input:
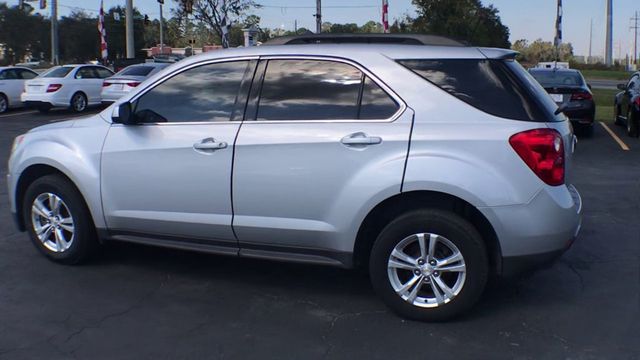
column 320, row 136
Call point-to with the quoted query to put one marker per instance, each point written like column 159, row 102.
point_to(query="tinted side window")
column 85, row 73
column 103, row 73
column 26, row 74
column 309, row 90
column 376, row 103
column 9, row 75
column 204, row 93
column 633, row 82
column 489, row 85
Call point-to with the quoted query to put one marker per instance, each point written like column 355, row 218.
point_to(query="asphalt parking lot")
column 136, row 302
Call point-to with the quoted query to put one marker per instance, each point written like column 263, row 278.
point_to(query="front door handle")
column 360, row 139
column 209, row 145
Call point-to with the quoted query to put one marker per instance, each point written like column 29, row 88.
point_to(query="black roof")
column 369, row 38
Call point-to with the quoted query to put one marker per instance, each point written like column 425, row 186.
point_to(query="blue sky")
column 528, row 19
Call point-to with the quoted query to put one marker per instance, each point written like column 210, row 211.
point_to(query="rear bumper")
column 52, row 99
column 111, row 96
column 535, row 233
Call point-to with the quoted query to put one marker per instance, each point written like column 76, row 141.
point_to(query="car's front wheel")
column 58, row 220
column 429, row 265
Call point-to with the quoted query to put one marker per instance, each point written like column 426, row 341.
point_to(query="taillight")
column 133, row 83
column 542, row 150
column 53, row 87
column 105, row 84
column 581, row 96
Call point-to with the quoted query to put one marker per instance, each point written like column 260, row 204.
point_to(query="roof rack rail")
column 402, row 39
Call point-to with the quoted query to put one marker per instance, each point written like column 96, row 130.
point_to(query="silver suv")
column 434, row 167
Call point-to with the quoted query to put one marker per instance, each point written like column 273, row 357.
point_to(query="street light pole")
column 129, row 30
column 54, row 32
column 161, row 26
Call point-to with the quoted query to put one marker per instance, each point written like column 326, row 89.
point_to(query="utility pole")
column 129, row 30
column 608, row 54
column 161, row 26
column 318, row 16
column 635, row 28
column 557, row 41
column 54, row 33
column 590, row 39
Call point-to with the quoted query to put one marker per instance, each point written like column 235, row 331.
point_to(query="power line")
column 313, row 7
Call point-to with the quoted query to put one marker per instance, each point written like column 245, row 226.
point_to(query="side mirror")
column 122, row 114
column 622, row 86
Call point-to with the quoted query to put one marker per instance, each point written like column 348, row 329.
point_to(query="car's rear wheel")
column 632, row 124
column 58, row 220
column 429, row 265
column 79, row 102
column 4, row 103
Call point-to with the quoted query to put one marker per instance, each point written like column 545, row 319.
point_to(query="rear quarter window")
column 497, row 87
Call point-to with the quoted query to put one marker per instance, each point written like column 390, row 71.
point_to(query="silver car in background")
column 432, row 166
column 127, row 79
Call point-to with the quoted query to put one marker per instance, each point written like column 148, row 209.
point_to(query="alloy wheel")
column 52, row 222
column 426, row 270
column 3, row 104
column 79, row 103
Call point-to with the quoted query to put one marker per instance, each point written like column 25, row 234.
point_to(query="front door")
column 171, row 175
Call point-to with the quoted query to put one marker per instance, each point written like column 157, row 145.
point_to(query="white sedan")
column 72, row 86
column 12, row 85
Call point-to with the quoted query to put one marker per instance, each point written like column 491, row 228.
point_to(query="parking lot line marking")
column 19, row 113
column 615, row 137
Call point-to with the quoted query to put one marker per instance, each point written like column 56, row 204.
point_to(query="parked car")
column 349, row 155
column 72, row 86
column 11, row 86
column 627, row 105
column 568, row 88
column 122, row 82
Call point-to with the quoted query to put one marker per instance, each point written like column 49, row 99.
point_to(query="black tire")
column 449, row 225
column 44, row 108
column 4, row 104
column 84, row 241
column 616, row 115
column 632, row 124
column 78, row 102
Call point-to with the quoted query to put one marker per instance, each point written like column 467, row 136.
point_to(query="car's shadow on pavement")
column 326, row 286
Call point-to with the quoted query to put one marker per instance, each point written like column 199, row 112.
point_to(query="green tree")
column 217, row 14
column 466, row 20
column 539, row 51
column 23, row 33
column 79, row 38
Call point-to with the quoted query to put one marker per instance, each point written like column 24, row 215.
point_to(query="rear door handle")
column 209, row 145
column 361, row 139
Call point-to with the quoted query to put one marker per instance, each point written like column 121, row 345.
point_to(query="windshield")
column 58, row 72
column 558, row 78
column 138, row 70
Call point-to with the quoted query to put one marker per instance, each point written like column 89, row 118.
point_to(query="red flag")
column 103, row 34
column 385, row 15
